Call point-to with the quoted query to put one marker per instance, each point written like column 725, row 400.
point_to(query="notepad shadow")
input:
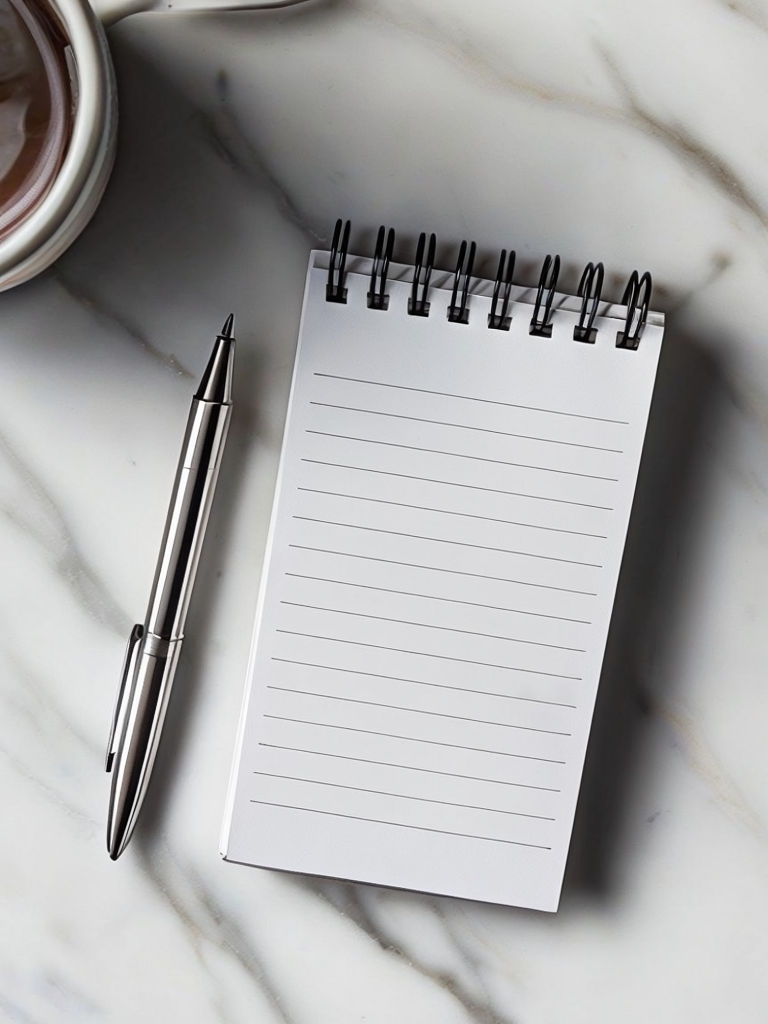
column 674, row 473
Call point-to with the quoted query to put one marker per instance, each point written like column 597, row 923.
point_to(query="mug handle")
column 110, row 11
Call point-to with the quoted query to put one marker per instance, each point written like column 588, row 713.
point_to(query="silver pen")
column 154, row 646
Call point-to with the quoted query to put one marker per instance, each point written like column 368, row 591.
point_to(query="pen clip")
column 129, row 662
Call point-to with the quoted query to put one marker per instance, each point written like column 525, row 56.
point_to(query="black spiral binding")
column 458, row 313
column 636, row 297
column 377, row 296
column 499, row 321
column 541, row 326
column 335, row 290
column 422, row 271
column 590, row 288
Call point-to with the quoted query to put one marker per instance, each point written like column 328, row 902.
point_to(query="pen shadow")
column 688, row 401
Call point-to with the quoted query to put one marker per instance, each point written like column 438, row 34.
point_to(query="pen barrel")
column 188, row 514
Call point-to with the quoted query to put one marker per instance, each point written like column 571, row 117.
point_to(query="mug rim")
column 75, row 192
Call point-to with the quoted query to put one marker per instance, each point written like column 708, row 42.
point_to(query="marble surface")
column 634, row 134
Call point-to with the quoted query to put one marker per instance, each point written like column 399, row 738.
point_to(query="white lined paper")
column 450, row 515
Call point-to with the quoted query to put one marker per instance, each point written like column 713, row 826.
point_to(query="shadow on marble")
column 690, row 396
column 193, row 223
column 169, row 206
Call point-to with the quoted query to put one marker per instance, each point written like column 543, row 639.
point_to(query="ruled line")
column 450, row 512
column 467, row 426
column 430, row 625
column 400, row 824
column 455, row 543
column 437, row 568
column 472, row 398
column 410, row 767
column 403, row 796
column 416, row 711
column 422, row 682
column 462, row 455
column 412, row 739
column 454, row 483
column 435, row 597
column 427, row 654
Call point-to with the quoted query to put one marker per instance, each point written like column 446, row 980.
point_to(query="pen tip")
column 228, row 328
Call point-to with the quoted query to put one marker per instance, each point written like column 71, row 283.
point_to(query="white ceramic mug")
column 54, row 221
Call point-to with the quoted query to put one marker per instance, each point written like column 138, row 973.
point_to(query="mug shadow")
column 178, row 213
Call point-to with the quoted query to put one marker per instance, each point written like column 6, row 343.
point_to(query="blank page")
column 451, row 509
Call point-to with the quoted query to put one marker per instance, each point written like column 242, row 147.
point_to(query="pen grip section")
column 188, row 514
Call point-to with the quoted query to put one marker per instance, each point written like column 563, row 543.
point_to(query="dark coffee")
column 35, row 108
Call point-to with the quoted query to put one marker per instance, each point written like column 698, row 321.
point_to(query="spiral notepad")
column 458, row 467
